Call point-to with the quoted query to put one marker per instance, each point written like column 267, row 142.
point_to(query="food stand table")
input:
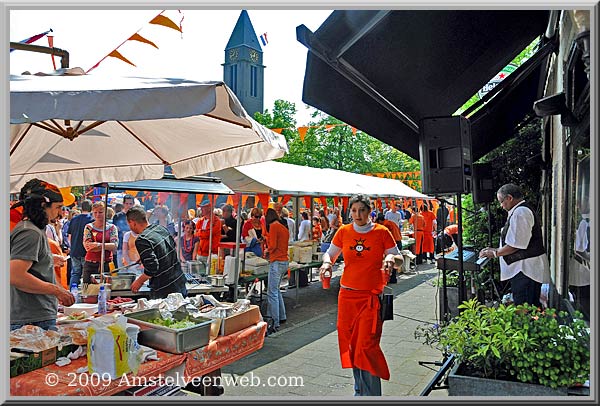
column 53, row 380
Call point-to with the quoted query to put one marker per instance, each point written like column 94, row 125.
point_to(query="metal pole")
column 461, row 277
column 210, row 225
column 238, row 233
column 103, row 236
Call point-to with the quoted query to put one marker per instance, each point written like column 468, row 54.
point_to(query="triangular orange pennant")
column 286, row 198
column 354, row 131
column 264, row 198
column 328, row 126
column 244, row 200
column 139, row 38
column 277, row 130
column 302, row 132
column 117, row 54
column 183, row 201
column 133, row 193
column 199, row 198
column 307, row 202
column 165, row 22
column 162, row 197
column 345, row 200
column 236, row 200
column 230, row 200
column 336, row 201
column 323, row 202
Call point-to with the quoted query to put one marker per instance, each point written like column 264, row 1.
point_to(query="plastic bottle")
column 75, row 293
column 102, row 307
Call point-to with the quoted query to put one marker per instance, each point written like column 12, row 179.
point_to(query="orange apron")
column 359, row 328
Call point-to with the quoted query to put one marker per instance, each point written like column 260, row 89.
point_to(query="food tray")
column 168, row 339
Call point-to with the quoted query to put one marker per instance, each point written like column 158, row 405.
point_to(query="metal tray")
column 168, row 339
column 120, row 281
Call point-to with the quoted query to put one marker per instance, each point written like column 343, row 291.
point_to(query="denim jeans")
column 276, row 307
column 76, row 270
column 45, row 324
column 366, row 384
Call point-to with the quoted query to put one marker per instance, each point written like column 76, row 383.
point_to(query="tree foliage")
column 336, row 147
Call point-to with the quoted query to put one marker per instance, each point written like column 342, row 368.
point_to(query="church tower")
column 243, row 70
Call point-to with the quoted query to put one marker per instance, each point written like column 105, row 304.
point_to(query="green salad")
column 172, row 323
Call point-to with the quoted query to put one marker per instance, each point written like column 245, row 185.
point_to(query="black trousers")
column 525, row 290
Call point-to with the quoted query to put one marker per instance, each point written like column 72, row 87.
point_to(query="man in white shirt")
column 394, row 215
column 285, row 214
column 522, row 254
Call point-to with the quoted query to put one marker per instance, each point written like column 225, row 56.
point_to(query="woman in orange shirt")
column 359, row 324
column 277, row 242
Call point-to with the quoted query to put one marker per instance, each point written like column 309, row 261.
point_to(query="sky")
column 197, row 54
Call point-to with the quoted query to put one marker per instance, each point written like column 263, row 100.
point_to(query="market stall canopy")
column 382, row 71
column 194, row 184
column 86, row 129
column 297, row 180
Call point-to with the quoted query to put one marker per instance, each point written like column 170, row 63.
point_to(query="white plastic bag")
column 112, row 346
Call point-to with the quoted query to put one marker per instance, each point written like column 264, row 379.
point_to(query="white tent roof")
column 296, row 180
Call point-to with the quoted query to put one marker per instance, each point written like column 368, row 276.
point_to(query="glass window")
column 253, row 81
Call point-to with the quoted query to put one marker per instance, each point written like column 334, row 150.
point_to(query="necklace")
column 187, row 247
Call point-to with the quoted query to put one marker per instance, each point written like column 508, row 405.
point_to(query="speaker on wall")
column 445, row 154
column 483, row 183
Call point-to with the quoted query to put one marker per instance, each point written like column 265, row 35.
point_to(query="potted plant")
column 515, row 350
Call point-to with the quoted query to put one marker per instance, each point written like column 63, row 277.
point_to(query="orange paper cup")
column 326, row 281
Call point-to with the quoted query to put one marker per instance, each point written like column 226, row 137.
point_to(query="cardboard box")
column 22, row 362
column 240, row 321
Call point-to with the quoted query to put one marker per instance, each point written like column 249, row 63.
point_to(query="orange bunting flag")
column 264, row 199
column 244, row 200
column 336, row 201
column 117, row 54
column 199, row 198
column 138, row 37
column 345, row 200
column 162, row 197
column 183, row 201
column 328, row 127
column 230, row 200
column 286, row 198
column 323, row 201
column 307, row 202
column 354, row 131
column 387, row 202
column 302, row 132
column 236, row 200
column 51, row 45
column 277, row 130
column 165, row 22
column 133, row 193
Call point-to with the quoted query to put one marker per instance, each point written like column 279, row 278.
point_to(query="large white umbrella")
column 86, row 129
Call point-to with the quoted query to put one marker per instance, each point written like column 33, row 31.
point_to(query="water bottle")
column 102, row 307
column 75, row 292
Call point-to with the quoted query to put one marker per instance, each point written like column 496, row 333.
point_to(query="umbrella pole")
column 210, row 232
column 103, row 237
column 238, row 233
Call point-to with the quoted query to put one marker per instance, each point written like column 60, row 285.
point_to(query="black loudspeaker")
column 483, row 183
column 445, row 152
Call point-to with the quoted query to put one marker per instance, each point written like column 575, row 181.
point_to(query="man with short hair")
column 75, row 235
column 521, row 254
column 229, row 224
column 158, row 254
column 394, row 215
column 291, row 225
column 120, row 220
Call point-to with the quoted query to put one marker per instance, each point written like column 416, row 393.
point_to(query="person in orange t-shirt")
column 395, row 230
column 203, row 231
column 364, row 245
column 277, row 243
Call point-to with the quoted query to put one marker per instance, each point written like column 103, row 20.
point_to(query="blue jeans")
column 45, row 324
column 276, row 307
column 76, row 270
column 366, row 384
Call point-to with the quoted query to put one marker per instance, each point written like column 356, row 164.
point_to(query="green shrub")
column 519, row 342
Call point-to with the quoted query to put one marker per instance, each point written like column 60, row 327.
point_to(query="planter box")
column 462, row 385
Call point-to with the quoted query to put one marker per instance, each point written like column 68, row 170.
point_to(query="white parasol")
column 83, row 129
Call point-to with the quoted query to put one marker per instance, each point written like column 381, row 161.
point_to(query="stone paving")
column 302, row 360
